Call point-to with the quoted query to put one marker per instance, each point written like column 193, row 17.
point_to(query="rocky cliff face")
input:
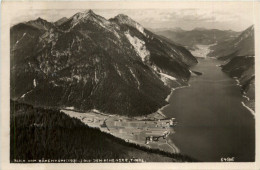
column 241, row 63
column 243, row 69
column 87, row 62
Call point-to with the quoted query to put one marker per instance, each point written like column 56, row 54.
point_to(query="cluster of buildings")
column 155, row 135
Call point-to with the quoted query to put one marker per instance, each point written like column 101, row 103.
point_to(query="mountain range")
column 202, row 36
column 236, row 49
column 241, row 45
column 88, row 62
column 239, row 55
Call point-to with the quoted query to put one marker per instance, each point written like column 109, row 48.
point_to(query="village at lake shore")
column 150, row 131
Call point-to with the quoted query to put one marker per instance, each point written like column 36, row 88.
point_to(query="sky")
column 188, row 18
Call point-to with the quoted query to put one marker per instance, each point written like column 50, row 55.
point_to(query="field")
column 150, row 131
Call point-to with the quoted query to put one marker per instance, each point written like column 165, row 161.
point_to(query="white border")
column 6, row 12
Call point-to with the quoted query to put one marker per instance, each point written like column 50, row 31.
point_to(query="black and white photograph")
column 124, row 84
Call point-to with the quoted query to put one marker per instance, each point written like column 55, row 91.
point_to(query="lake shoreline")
column 214, row 101
column 246, row 97
column 132, row 130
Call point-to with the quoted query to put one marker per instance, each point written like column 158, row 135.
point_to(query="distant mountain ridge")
column 87, row 62
column 242, row 45
column 196, row 36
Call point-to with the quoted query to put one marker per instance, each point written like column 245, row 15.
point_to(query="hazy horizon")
column 186, row 19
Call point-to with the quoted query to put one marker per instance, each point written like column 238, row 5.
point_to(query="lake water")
column 212, row 123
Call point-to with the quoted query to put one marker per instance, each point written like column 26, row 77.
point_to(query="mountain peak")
column 122, row 16
column 124, row 19
column 40, row 23
column 86, row 15
column 248, row 33
column 90, row 11
column 39, row 19
column 251, row 27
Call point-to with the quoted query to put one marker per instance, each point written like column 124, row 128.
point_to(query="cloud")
column 187, row 18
